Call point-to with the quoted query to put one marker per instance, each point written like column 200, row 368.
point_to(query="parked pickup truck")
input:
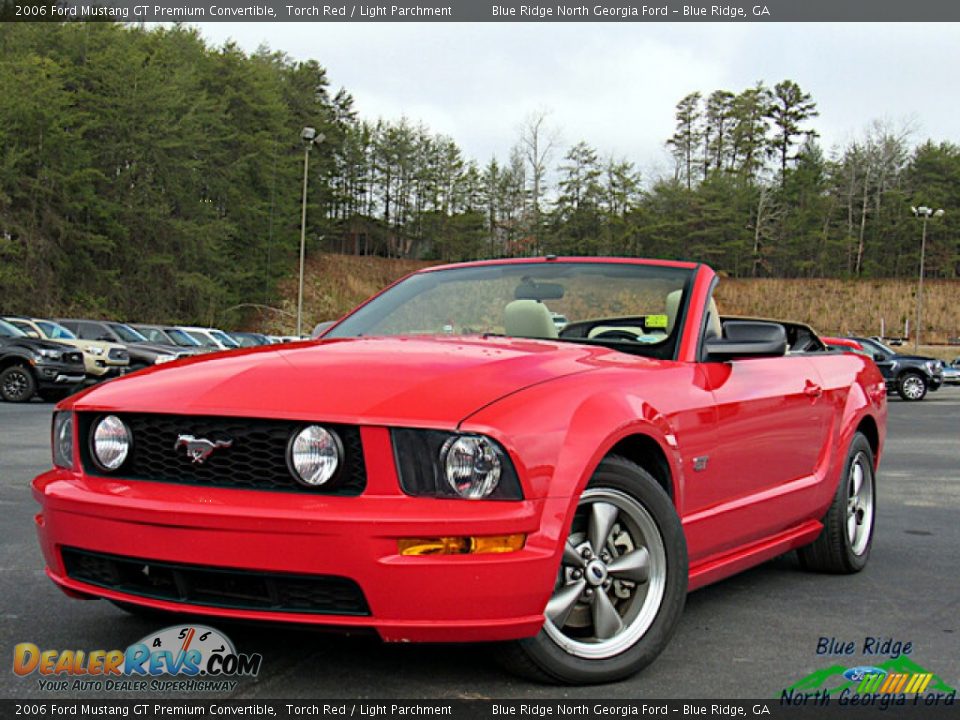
column 910, row 376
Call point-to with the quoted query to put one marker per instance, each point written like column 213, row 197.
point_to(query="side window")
column 90, row 331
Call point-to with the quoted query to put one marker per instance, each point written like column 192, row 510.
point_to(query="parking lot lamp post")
column 309, row 137
column 925, row 214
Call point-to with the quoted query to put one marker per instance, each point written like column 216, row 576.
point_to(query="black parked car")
column 910, row 376
column 143, row 353
column 30, row 366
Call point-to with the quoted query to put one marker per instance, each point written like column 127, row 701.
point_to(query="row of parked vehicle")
column 52, row 357
column 910, row 376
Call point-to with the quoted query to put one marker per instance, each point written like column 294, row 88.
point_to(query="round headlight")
column 63, row 440
column 471, row 465
column 111, row 442
column 314, row 455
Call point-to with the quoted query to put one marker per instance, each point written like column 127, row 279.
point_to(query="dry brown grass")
column 848, row 307
column 336, row 283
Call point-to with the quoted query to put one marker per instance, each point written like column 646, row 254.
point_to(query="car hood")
column 36, row 344
column 424, row 382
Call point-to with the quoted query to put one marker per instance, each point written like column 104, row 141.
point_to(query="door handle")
column 812, row 390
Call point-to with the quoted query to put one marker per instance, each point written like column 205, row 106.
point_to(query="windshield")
column 202, row 338
column 181, row 338
column 54, row 331
column 875, row 346
column 127, row 333
column 224, row 339
column 8, row 330
column 628, row 306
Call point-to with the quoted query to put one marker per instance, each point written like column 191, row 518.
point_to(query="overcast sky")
column 616, row 85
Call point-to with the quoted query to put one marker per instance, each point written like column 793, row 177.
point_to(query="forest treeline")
column 146, row 174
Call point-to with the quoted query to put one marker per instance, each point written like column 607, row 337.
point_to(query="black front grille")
column 217, row 586
column 256, row 459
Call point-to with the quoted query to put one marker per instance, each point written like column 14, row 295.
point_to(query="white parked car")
column 211, row 338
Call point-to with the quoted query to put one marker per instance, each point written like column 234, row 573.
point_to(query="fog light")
column 111, row 442
column 480, row 545
column 314, row 455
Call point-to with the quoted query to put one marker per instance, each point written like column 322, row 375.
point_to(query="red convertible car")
column 448, row 463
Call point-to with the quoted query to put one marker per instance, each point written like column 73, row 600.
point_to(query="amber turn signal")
column 461, row 545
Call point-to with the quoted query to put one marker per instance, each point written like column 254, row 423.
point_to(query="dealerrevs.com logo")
column 200, row 657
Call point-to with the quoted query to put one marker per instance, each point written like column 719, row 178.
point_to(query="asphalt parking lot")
column 747, row 637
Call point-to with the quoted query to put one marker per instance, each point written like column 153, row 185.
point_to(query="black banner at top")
column 531, row 11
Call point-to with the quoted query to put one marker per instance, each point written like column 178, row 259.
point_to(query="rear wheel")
column 17, row 384
column 843, row 545
column 621, row 585
column 912, row 386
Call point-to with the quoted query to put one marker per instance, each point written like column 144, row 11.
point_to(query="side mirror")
column 877, row 357
column 32, row 334
column 104, row 338
column 748, row 338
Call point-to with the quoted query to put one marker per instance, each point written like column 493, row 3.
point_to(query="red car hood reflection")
column 420, row 381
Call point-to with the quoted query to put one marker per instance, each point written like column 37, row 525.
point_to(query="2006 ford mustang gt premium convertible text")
column 451, row 463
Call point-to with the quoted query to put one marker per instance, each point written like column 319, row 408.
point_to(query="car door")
column 759, row 477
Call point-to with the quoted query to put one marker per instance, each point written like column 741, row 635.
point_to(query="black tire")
column 17, row 384
column 542, row 658
column 912, row 386
column 834, row 551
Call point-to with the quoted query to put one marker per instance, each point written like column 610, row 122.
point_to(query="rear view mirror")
column 530, row 290
column 748, row 338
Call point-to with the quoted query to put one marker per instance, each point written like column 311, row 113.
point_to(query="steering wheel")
column 615, row 335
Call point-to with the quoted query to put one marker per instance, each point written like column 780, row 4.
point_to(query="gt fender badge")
column 700, row 463
column 199, row 449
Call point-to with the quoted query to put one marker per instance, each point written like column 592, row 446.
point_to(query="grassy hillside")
column 335, row 283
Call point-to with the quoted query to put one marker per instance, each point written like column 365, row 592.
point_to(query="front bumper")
column 410, row 598
column 58, row 375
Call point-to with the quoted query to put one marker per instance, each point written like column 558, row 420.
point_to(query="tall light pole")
column 309, row 137
column 925, row 213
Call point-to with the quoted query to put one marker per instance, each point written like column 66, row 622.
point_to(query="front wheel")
column 912, row 386
column 17, row 384
column 621, row 585
column 843, row 545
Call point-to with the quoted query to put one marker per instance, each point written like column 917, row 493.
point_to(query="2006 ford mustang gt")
column 547, row 451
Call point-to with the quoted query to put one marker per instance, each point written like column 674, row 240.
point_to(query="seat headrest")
column 528, row 318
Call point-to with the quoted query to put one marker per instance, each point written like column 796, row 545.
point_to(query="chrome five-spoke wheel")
column 859, row 504
column 843, row 545
column 612, row 577
column 620, row 586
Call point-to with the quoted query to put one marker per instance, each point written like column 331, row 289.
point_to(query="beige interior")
column 528, row 318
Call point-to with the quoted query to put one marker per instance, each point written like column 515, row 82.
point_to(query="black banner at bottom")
column 474, row 709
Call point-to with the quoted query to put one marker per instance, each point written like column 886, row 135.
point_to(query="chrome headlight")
column 433, row 463
column 164, row 359
column 95, row 351
column 314, row 455
column 62, row 440
column 48, row 354
column 111, row 442
column 471, row 465
column 934, row 366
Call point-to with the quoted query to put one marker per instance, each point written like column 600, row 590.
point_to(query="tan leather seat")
column 673, row 308
column 714, row 328
column 528, row 318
